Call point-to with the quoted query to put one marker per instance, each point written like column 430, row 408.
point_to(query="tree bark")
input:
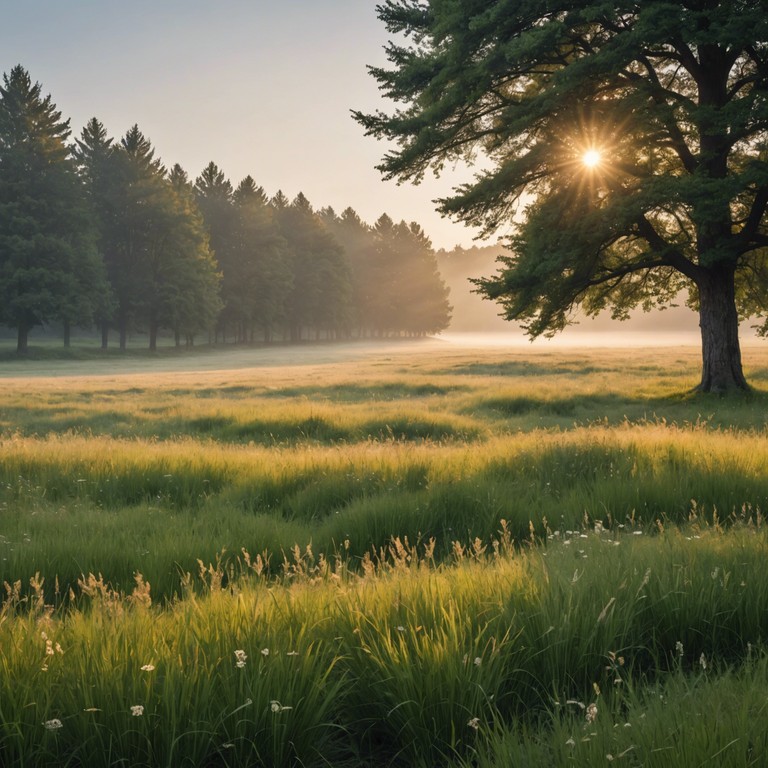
column 22, row 339
column 719, row 322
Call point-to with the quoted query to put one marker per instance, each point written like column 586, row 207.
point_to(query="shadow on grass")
column 748, row 410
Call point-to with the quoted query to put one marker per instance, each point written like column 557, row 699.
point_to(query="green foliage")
column 49, row 269
column 670, row 96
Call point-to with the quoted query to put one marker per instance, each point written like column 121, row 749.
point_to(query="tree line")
column 97, row 231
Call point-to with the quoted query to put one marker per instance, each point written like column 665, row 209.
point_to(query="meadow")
column 416, row 554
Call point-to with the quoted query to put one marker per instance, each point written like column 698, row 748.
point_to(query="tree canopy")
column 624, row 142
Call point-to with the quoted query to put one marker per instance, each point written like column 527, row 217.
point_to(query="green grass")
column 439, row 550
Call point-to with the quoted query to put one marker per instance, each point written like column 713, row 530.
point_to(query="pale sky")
column 261, row 87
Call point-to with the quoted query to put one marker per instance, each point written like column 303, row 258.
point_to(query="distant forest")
column 98, row 232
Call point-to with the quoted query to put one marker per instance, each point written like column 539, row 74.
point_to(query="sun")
column 592, row 158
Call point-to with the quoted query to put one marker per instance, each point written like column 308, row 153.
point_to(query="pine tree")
column 266, row 278
column 49, row 269
column 628, row 137
column 214, row 198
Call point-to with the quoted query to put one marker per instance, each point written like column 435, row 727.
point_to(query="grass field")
column 416, row 554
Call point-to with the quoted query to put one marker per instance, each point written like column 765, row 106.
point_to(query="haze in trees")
column 49, row 267
column 625, row 141
column 100, row 230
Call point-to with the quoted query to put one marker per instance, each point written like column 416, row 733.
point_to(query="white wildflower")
column 570, row 743
column 276, row 706
column 240, row 658
column 400, row 628
column 474, row 723
column 478, row 661
column 703, row 662
column 148, row 668
column 49, row 648
column 265, row 651
column 591, row 713
column 679, row 648
column 137, row 710
column 292, row 653
column 53, row 725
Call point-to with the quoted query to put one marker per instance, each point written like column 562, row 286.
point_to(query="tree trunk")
column 22, row 339
column 123, row 334
column 719, row 323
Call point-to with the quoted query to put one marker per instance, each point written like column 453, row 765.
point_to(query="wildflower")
column 59, row 649
column 478, row 661
column 240, row 656
column 591, row 713
column 49, row 648
column 53, row 725
column 679, row 648
column 276, row 706
column 292, row 653
column 148, row 668
column 137, row 710
column 265, row 652
column 400, row 628
column 703, row 662
column 474, row 723
column 570, row 743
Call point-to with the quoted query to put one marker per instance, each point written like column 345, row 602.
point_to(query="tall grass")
column 434, row 560
column 409, row 663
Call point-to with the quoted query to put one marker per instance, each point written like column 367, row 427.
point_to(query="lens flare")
column 591, row 158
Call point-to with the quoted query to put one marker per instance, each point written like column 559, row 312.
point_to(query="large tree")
column 630, row 137
column 49, row 268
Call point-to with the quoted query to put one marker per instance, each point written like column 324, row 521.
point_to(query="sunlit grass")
column 439, row 552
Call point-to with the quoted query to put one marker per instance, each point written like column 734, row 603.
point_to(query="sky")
column 260, row 87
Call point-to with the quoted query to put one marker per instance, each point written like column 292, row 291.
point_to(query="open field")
column 411, row 554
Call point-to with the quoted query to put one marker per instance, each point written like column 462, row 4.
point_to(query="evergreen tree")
column 214, row 197
column 357, row 240
column 49, row 269
column 97, row 161
column 320, row 299
column 422, row 300
column 188, row 280
column 266, row 278
column 631, row 136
